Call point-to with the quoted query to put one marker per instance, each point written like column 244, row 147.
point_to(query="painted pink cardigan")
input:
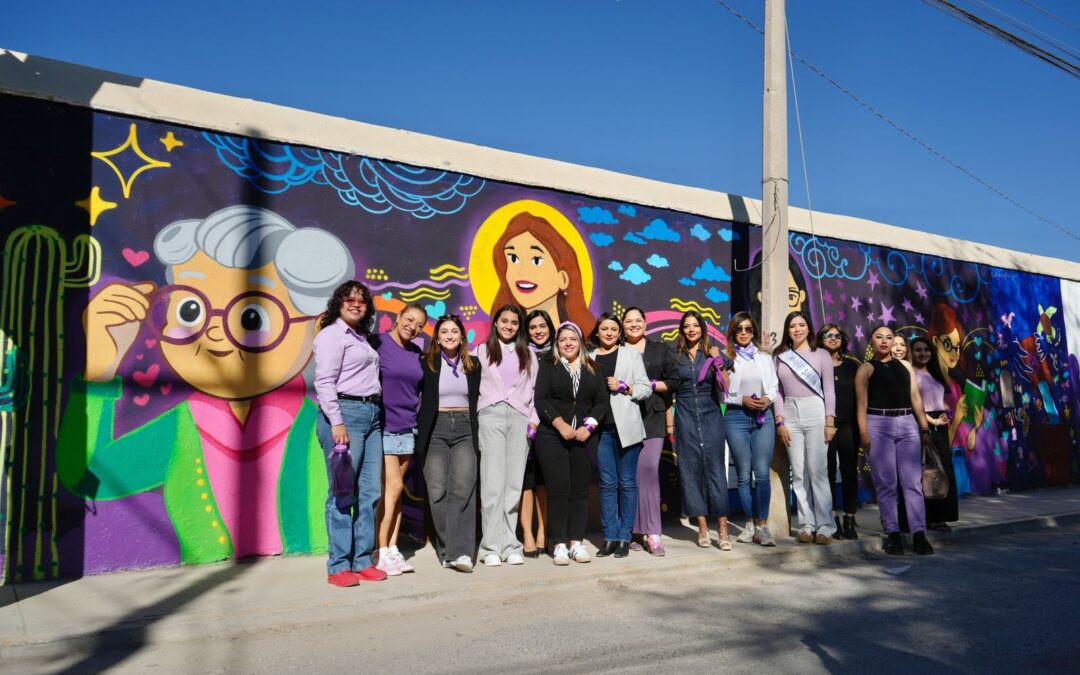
column 493, row 390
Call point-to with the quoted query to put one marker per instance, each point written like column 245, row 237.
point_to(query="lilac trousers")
column 648, row 485
column 896, row 464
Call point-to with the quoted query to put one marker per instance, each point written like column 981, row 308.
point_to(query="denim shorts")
column 401, row 443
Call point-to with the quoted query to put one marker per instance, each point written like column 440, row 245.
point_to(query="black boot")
column 893, row 544
column 607, row 549
column 920, row 545
column 622, row 549
column 849, row 528
column 839, row 534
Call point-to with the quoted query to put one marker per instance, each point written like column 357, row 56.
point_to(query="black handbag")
column 935, row 482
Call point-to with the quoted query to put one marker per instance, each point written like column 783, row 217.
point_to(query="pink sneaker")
column 399, row 561
column 387, row 564
column 655, row 545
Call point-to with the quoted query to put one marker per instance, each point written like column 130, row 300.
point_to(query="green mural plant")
column 38, row 268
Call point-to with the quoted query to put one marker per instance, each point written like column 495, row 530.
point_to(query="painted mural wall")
column 160, row 285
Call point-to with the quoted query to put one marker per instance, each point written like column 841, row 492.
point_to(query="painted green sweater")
column 94, row 465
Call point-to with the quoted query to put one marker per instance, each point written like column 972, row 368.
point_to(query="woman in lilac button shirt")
column 350, row 396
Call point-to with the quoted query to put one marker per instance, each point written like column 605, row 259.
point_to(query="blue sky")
column 666, row 90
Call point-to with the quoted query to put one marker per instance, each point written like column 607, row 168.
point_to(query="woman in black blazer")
column 447, row 441
column 572, row 403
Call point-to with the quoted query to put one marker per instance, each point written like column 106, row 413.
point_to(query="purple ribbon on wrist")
column 759, row 419
column 622, row 388
column 530, row 432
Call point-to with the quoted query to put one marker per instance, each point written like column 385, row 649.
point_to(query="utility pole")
column 774, row 239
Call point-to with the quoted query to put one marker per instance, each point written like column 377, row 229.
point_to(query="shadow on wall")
column 27, row 74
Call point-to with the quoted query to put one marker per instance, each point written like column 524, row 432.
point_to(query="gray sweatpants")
column 504, row 448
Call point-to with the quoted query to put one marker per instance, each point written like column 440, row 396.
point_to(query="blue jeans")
column 752, row 449
column 350, row 525
column 618, row 485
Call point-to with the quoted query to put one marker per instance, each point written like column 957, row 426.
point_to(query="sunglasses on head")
column 449, row 317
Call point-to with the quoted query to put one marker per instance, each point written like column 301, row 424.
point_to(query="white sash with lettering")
column 803, row 370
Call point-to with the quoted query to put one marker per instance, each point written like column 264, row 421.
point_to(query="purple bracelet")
column 591, row 427
column 622, row 388
column 652, row 384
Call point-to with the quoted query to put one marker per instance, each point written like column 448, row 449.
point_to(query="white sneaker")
column 386, row 563
column 492, row 560
column 462, row 564
column 515, row 559
column 561, row 556
column 747, row 534
column 579, row 553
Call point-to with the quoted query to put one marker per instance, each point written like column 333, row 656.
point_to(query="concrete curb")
column 178, row 626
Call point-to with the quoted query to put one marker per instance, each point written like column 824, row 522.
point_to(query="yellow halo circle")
column 482, row 274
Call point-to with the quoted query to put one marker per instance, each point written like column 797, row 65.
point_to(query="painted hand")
column 112, row 320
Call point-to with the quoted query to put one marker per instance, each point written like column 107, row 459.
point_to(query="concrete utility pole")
column 774, row 212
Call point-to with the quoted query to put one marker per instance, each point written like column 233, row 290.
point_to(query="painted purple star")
column 858, row 333
column 843, row 297
column 828, row 297
column 887, row 313
column 907, row 305
column 870, row 317
column 873, row 280
column 840, row 314
column 919, row 318
column 919, row 290
column 856, row 303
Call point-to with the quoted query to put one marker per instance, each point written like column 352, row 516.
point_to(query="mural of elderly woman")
column 239, row 467
column 538, row 269
column 973, row 459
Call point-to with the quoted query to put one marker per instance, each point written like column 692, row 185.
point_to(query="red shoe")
column 344, row 579
column 369, row 574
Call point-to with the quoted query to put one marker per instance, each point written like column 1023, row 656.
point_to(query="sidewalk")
column 229, row 598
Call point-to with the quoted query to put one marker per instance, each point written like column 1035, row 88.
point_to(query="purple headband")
column 569, row 324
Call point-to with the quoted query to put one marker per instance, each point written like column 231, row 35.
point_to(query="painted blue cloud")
column 615, row 265
column 631, row 237
column 716, row 295
column 727, row 234
column 601, row 239
column 596, row 215
column 660, row 231
column 635, row 275
column 657, row 260
column 699, row 231
column 687, row 282
column 709, row 271
column 627, row 210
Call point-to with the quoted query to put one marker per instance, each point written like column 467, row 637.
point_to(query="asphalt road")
column 1009, row 604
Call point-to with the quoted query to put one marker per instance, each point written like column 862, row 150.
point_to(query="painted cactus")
column 37, row 268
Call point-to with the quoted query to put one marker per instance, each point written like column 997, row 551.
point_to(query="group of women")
column 516, row 421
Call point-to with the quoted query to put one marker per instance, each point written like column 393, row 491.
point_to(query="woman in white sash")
column 806, row 423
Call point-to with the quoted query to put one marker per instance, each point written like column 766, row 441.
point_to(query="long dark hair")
column 786, row 342
column 468, row 363
column 333, row 307
column 521, row 342
column 933, row 367
column 755, row 336
column 583, row 354
column 704, row 344
column 844, row 342
column 594, row 335
column 551, row 329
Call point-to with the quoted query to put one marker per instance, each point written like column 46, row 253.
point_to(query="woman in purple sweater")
column 806, row 423
column 399, row 370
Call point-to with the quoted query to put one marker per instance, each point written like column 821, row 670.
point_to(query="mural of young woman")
column 529, row 254
column 240, row 469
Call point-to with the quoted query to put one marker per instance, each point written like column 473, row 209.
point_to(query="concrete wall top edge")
column 36, row 77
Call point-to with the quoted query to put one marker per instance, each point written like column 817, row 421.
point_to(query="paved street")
column 999, row 604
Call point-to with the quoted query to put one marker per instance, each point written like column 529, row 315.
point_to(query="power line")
column 1055, row 17
column 926, row 146
column 1000, row 33
column 1031, row 30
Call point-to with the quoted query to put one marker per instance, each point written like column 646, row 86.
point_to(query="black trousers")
column 948, row 509
column 845, row 448
column 567, row 469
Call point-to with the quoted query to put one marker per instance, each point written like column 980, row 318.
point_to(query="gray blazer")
column 625, row 410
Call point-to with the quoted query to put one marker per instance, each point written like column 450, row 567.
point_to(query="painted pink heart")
column 385, row 324
column 146, row 378
column 166, row 388
column 150, row 343
column 135, row 258
column 142, row 399
column 139, row 357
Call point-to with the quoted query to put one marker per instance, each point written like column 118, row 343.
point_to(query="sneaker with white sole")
column 386, row 563
column 515, row 559
column 462, row 564
column 399, row 560
column 578, row 553
column 764, row 537
column 561, row 556
column 747, row 534
column 492, row 560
